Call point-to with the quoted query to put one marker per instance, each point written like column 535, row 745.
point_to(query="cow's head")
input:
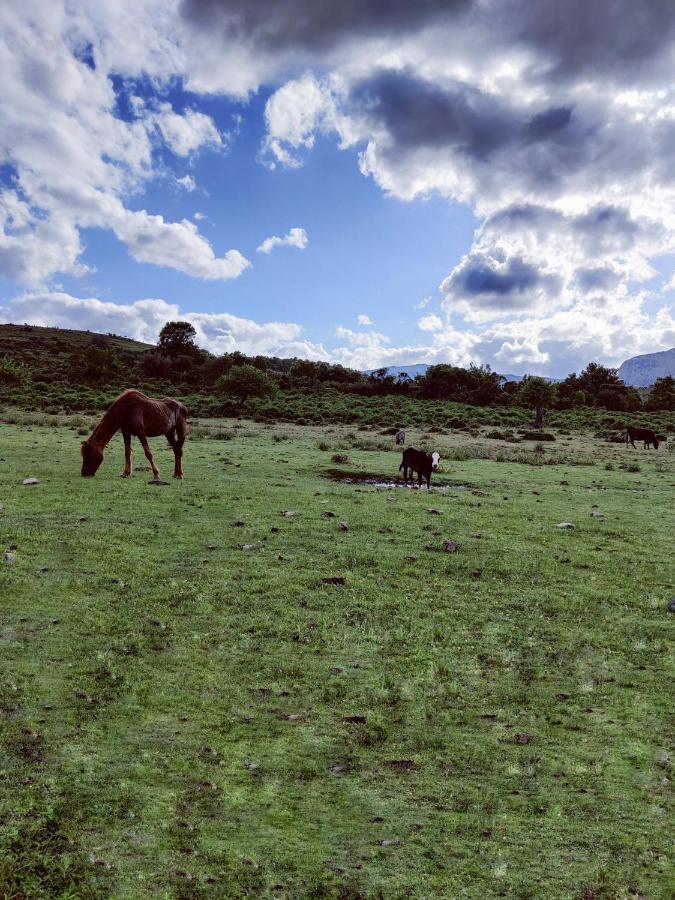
column 435, row 460
column 91, row 459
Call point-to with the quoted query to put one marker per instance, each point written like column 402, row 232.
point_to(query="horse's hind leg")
column 127, row 455
column 146, row 449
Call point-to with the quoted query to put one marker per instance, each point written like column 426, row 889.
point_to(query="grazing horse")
column 641, row 434
column 400, row 437
column 134, row 414
column 419, row 461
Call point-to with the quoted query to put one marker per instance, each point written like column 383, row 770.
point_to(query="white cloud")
column 430, row 323
column 189, row 184
column 144, row 319
column 187, row 132
column 176, row 244
column 75, row 161
column 296, row 237
column 363, row 319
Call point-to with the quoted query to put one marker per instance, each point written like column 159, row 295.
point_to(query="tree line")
column 178, row 364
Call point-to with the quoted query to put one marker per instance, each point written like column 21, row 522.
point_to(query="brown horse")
column 134, row 414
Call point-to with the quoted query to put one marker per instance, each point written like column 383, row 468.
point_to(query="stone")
column 247, row 547
column 343, row 526
column 9, row 557
column 450, row 546
column 567, row 526
column 595, row 514
column 327, row 514
column 29, row 481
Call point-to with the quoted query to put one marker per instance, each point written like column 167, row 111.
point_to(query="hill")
column 27, row 341
column 642, row 371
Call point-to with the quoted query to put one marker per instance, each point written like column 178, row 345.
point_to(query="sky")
column 371, row 182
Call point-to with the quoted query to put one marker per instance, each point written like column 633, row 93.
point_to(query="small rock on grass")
column 343, row 526
column 450, row 546
column 435, row 512
column 566, row 526
column 9, row 557
column 29, row 481
column 671, row 604
column 247, row 547
column 327, row 514
column 596, row 514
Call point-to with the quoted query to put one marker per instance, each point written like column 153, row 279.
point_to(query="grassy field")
column 180, row 717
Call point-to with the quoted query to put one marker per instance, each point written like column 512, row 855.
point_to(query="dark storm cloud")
column 420, row 113
column 606, row 227
column 314, row 25
column 596, row 279
column 622, row 38
column 547, row 123
column 489, row 283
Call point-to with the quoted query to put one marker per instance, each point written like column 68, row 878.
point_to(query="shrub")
column 339, row 458
column 538, row 436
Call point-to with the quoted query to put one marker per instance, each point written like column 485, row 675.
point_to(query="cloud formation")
column 74, row 159
column 144, row 319
column 554, row 121
column 296, row 237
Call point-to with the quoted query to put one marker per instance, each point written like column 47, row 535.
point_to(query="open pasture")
column 328, row 712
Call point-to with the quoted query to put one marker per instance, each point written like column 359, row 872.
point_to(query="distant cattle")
column 642, row 434
column 400, row 437
column 420, row 462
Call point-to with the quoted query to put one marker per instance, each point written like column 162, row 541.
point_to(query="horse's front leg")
column 127, row 455
column 148, row 455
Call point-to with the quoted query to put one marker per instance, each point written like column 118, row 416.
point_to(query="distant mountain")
column 642, row 371
column 411, row 371
column 421, row 368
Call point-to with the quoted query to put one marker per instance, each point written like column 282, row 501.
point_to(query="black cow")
column 641, row 434
column 400, row 437
column 419, row 461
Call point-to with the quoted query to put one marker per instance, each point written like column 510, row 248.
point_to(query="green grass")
column 183, row 718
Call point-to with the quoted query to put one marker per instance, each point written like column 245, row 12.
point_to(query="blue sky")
column 464, row 188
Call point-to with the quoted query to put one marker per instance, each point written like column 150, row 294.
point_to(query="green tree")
column 662, row 394
column 244, row 382
column 12, row 373
column 177, row 339
column 537, row 394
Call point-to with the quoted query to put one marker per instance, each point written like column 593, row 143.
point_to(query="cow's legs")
column 148, row 455
column 127, row 455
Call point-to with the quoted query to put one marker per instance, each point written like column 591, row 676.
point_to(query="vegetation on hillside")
column 56, row 370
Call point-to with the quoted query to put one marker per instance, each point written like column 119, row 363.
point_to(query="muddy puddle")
column 386, row 482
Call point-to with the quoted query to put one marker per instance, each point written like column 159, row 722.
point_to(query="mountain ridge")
column 643, row 370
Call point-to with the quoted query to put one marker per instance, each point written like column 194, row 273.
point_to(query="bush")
column 538, row 436
column 339, row 458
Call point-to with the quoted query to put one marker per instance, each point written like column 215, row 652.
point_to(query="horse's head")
column 91, row 459
column 435, row 460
